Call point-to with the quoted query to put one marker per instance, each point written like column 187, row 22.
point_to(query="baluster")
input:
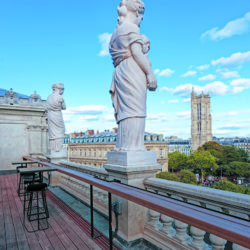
column 154, row 218
column 198, row 236
column 167, row 225
column 217, row 242
column 181, row 231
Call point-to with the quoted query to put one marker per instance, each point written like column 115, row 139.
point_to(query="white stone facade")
column 201, row 127
column 23, row 129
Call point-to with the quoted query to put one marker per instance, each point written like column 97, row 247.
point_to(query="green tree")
column 167, row 176
column 177, row 161
column 188, row 177
column 215, row 149
column 244, row 155
column 211, row 145
column 229, row 186
column 240, row 169
column 230, row 154
column 204, row 161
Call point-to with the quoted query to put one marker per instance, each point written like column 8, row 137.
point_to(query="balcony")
column 167, row 216
column 67, row 230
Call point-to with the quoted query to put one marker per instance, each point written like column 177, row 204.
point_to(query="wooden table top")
column 36, row 169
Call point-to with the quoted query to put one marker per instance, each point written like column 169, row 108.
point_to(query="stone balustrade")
column 174, row 230
column 98, row 172
column 161, row 230
column 168, row 233
column 218, row 200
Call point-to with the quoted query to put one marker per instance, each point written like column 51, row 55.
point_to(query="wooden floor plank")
column 71, row 229
column 64, row 219
column 31, row 238
column 10, row 235
column 63, row 232
column 2, row 228
column 19, row 229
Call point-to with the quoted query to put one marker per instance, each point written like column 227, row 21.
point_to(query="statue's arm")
column 62, row 103
column 144, row 64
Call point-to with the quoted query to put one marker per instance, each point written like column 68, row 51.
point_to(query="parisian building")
column 201, row 120
column 92, row 149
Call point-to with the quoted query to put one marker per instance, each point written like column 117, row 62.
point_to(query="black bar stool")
column 25, row 179
column 37, row 209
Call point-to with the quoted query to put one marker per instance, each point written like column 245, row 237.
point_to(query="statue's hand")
column 152, row 82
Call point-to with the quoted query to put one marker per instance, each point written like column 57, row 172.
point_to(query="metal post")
column 91, row 211
column 110, row 223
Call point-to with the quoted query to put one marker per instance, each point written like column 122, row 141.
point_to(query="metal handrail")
column 225, row 226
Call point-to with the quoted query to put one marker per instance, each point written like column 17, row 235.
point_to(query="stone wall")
column 23, row 131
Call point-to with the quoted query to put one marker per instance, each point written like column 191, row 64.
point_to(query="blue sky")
column 204, row 44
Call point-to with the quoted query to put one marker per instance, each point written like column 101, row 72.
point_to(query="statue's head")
column 58, row 87
column 135, row 7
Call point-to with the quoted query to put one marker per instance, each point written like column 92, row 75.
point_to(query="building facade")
column 183, row 146
column 201, row 120
column 23, row 127
column 92, row 149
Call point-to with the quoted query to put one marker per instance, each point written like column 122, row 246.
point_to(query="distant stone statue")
column 132, row 76
column 54, row 106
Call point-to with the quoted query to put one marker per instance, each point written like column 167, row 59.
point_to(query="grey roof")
column 3, row 92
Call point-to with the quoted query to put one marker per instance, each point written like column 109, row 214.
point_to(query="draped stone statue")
column 132, row 76
column 54, row 106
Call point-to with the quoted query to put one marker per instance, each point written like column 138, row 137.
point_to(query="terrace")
column 170, row 223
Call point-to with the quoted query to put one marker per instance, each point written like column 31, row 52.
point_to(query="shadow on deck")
column 67, row 230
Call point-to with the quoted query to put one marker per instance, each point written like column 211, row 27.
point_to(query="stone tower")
column 201, row 127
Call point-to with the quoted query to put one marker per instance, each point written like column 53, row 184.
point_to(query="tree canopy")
column 177, row 161
column 204, row 161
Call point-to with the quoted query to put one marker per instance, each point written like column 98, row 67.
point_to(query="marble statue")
column 54, row 106
column 132, row 76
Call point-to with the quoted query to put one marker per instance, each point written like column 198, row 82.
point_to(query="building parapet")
column 219, row 200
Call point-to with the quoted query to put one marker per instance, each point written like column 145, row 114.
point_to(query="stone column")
column 131, row 168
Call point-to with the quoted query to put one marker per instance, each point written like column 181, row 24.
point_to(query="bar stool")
column 25, row 179
column 37, row 209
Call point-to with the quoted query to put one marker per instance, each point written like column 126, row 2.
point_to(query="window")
column 161, row 153
column 85, row 153
column 72, row 152
column 94, row 153
column 76, row 151
column 80, row 152
column 89, row 152
column 100, row 153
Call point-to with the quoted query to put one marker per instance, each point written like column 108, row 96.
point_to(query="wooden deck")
column 67, row 230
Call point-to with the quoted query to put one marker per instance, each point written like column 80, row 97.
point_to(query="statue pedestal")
column 131, row 168
column 56, row 157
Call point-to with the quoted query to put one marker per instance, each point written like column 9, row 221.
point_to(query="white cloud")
column 85, row 109
column 225, row 73
column 187, row 100
column 184, row 114
column 157, row 117
column 240, row 84
column 234, row 60
column 236, row 27
column 86, row 117
column 156, row 71
column 173, row 101
column 190, row 73
column 214, row 88
column 166, row 72
column 104, row 40
column 209, row 77
column 203, row 67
